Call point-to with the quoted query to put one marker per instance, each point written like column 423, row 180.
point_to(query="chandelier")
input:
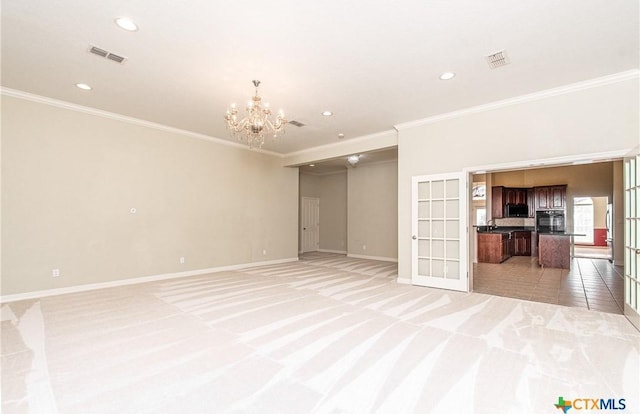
column 256, row 122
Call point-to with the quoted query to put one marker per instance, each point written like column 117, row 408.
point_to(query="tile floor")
column 593, row 284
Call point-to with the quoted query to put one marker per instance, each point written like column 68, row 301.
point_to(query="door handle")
column 304, row 228
column 414, row 237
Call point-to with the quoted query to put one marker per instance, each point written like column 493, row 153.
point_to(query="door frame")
column 631, row 246
column 536, row 163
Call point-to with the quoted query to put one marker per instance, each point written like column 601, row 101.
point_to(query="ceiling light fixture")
column 256, row 122
column 353, row 160
column 126, row 24
column 84, row 86
column 447, row 75
column 340, row 135
column 327, row 113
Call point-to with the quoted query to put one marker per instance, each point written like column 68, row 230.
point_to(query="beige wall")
column 584, row 180
column 600, row 212
column 590, row 120
column 373, row 210
column 69, row 180
column 331, row 189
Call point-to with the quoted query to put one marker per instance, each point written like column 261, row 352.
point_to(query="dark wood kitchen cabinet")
column 551, row 197
column 494, row 247
column 557, row 196
column 531, row 202
column 501, row 196
column 521, row 243
column 497, row 203
column 515, row 196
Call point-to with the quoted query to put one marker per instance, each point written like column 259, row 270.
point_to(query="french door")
column 632, row 239
column 439, row 231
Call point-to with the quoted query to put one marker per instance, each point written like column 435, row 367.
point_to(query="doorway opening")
column 592, row 222
column 592, row 277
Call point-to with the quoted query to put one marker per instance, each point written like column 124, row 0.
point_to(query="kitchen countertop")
column 502, row 229
column 510, row 229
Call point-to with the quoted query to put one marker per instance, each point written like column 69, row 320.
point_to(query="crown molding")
column 577, row 159
column 324, row 174
column 14, row 93
column 345, row 143
column 562, row 90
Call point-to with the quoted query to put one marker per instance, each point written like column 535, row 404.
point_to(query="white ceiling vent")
column 106, row 54
column 296, row 123
column 497, row 59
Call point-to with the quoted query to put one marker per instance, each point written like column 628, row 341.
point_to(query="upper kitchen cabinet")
column 503, row 196
column 531, row 202
column 515, row 196
column 552, row 197
column 497, row 205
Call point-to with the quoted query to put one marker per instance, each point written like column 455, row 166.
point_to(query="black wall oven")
column 550, row 221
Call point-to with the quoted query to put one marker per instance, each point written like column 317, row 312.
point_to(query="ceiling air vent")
column 115, row 58
column 106, row 54
column 98, row 51
column 497, row 59
column 296, row 123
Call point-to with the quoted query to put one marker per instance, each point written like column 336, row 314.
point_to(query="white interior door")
column 439, row 231
column 632, row 239
column 310, row 213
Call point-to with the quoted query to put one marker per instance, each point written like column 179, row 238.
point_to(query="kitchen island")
column 554, row 250
column 495, row 245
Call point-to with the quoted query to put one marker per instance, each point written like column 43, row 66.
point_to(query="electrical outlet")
column 55, row 272
column 182, row 260
column 264, row 252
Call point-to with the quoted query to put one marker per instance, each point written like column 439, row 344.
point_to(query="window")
column 479, row 191
column 583, row 220
column 481, row 216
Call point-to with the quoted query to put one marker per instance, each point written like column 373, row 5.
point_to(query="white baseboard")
column 332, row 251
column 382, row 258
column 133, row 281
column 403, row 281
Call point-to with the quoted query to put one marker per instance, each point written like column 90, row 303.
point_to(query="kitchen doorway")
column 592, row 218
column 590, row 282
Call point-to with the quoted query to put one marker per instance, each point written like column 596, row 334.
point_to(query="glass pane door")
column 632, row 239
column 439, row 232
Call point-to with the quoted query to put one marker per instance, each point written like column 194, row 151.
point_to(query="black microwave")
column 516, row 210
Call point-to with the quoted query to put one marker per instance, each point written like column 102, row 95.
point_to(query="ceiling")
column 340, row 164
column 374, row 64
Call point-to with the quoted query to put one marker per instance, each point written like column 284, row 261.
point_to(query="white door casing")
column 439, row 231
column 310, row 215
column 632, row 238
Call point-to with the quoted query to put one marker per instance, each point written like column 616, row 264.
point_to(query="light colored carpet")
column 327, row 334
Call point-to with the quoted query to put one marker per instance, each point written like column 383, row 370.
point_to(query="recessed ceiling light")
column 340, row 135
column 312, row 165
column 327, row 113
column 447, row 76
column 126, row 24
column 84, row 86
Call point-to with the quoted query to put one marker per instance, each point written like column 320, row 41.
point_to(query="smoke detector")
column 497, row 59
